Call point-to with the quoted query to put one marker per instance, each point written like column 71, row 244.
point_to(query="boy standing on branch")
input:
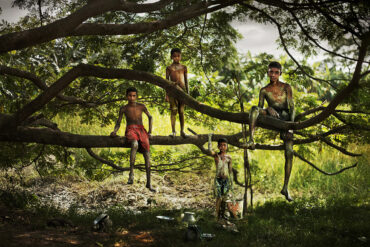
column 279, row 98
column 136, row 133
column 177, row 73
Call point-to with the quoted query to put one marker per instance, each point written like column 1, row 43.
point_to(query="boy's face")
column 131, row 97
column 274, row 74
column 176, row 57
column 222, row 146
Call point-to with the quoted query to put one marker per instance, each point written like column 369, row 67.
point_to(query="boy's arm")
column 167, row 73
column 150, row 120
column 186, row 79
column 209, row 150
column 261, row 98
column 290, row 103
column 118, row 123
column 167, row 78
column 231, row 172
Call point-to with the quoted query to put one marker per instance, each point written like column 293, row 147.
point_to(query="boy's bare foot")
column 286, row 194
column 173, row 134
column 150, row 188
column 130, row 179
column 183, row 134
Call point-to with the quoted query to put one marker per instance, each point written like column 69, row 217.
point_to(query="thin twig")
column 318, row 169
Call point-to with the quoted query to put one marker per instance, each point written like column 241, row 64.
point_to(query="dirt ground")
column 21, row 227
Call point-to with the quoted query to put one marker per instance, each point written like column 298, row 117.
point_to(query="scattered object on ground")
column 362, row 239
column 227, row 225
column 235, row 208
column 189, row 218
column 57, row 222
column 194, row 233
column 102, row 223
column 165, row 218
column 207, row 236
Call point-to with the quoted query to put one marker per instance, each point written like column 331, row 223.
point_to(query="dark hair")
column 221, row 140
column 175, row 50
column 275, row 64
column 131, row 89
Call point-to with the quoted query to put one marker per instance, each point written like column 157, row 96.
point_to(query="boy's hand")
column 272, row 112
column 113, row 134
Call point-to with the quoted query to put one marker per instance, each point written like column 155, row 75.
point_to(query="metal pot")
column 189, row 217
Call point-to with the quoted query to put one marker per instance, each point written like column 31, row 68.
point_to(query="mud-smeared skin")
column 279, row 98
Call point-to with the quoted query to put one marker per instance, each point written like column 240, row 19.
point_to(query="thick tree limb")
column 5, row 70
column 318, row 169
column 52, row 137
column 72, row 24
column 145, row 27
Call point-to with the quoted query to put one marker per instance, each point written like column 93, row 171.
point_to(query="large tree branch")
column 59, row 28
column 72, row 25
column 5, row 70
column 145, row 27
column 53, row 137
column 89, row 70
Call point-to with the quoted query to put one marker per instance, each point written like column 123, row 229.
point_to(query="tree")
column 67, row 55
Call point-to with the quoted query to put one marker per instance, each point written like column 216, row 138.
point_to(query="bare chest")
column 133, row 112
column 276, row 94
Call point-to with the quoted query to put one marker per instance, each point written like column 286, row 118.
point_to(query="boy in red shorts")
column 136, row 133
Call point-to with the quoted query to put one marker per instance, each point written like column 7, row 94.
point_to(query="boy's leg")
column 252, row 124
column 218, row 207
column 134, row 147
column 182, row 118
column 222, row 208
column 288, row 153
column 173, row 108
column 146, row 155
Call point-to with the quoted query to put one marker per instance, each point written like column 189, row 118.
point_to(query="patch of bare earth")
column 23, row 228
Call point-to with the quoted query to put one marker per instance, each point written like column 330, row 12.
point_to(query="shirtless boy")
column 177, row 73
column 136, row 133
column 279, row 97
column 223, row 180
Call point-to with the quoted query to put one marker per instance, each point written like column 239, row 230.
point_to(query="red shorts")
column 138, row 133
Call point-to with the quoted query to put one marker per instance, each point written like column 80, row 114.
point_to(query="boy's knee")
column 134, row 145
column 174, row 111
column 255, row 109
